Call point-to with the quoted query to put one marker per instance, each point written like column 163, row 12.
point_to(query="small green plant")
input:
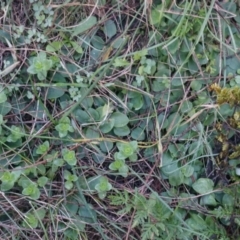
column 30, row 188
column 15, row 134
column 147, row 67
column 126, row 150
column 33, row 217
column 64, row 127
column 43, row 148
column 120, row 166
column 34, row 35
column 102, row 187
column 69, row 156
column 8, row 179
column 44, row 15
column 32, row 191
column 70, row 178
column 40, row 65
column 150, row 214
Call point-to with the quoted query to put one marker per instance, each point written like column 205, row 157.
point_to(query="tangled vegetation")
column 119, row 119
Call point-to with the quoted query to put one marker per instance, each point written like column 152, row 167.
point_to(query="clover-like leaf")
column 103, row 185
column 117, row 164
column 32, row 191
column 127, row 149
column 40, row 66
column 69, row 156
column 30, row 221
column 70, row 177
column 43, row 148
column 64, row 127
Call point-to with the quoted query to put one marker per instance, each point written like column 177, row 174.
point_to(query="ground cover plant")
column 119, row 119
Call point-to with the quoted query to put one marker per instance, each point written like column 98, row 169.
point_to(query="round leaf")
column 92, row 133
column 107, row 126
column 122, row 131
column 110, row 28
column 138, row 134
column 186, row 106
column 120, row 119
column 203, row 185
column 5, row 108
column 176, row 178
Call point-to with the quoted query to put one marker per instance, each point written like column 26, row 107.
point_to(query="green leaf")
column 103, row 185
column 5, row 108
column 137, row 101
column 31, row 191
column 187, row 171
column 155, row 17
column 85, row 25
column 186, row 106
column 176, row 178
column 121, row 131
column 40, row 213
column 117, row 164
column 6, row 186
column 70, row 177
column 138, row 134
column 24, row 182
column 208, row 200
column 110, row 28
column 40, row 66
column 16, row 134
column 3, row 97
column 71, row 206
column 54, row 92
column 120, row 119
column 42, row 181
column 68, row 185
column 94, row 114
column 123, row 170
column 92, row 133
column 106, row 146
column 107, row 126
column 8, row 177
column 139, row 54
column 121, row 62
column 203, row 185
column 196, row 222
column 127, row 149
column 30, row 221
column 133, row 157
column 69, row 156
column 81, row 116
column 87, row 213
column 64, row 127
column 119, row 42
column 43, row 148
column 54, row 46
column 77, row 47
column 99, row 158
column 196, row 85
column 228, row 200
